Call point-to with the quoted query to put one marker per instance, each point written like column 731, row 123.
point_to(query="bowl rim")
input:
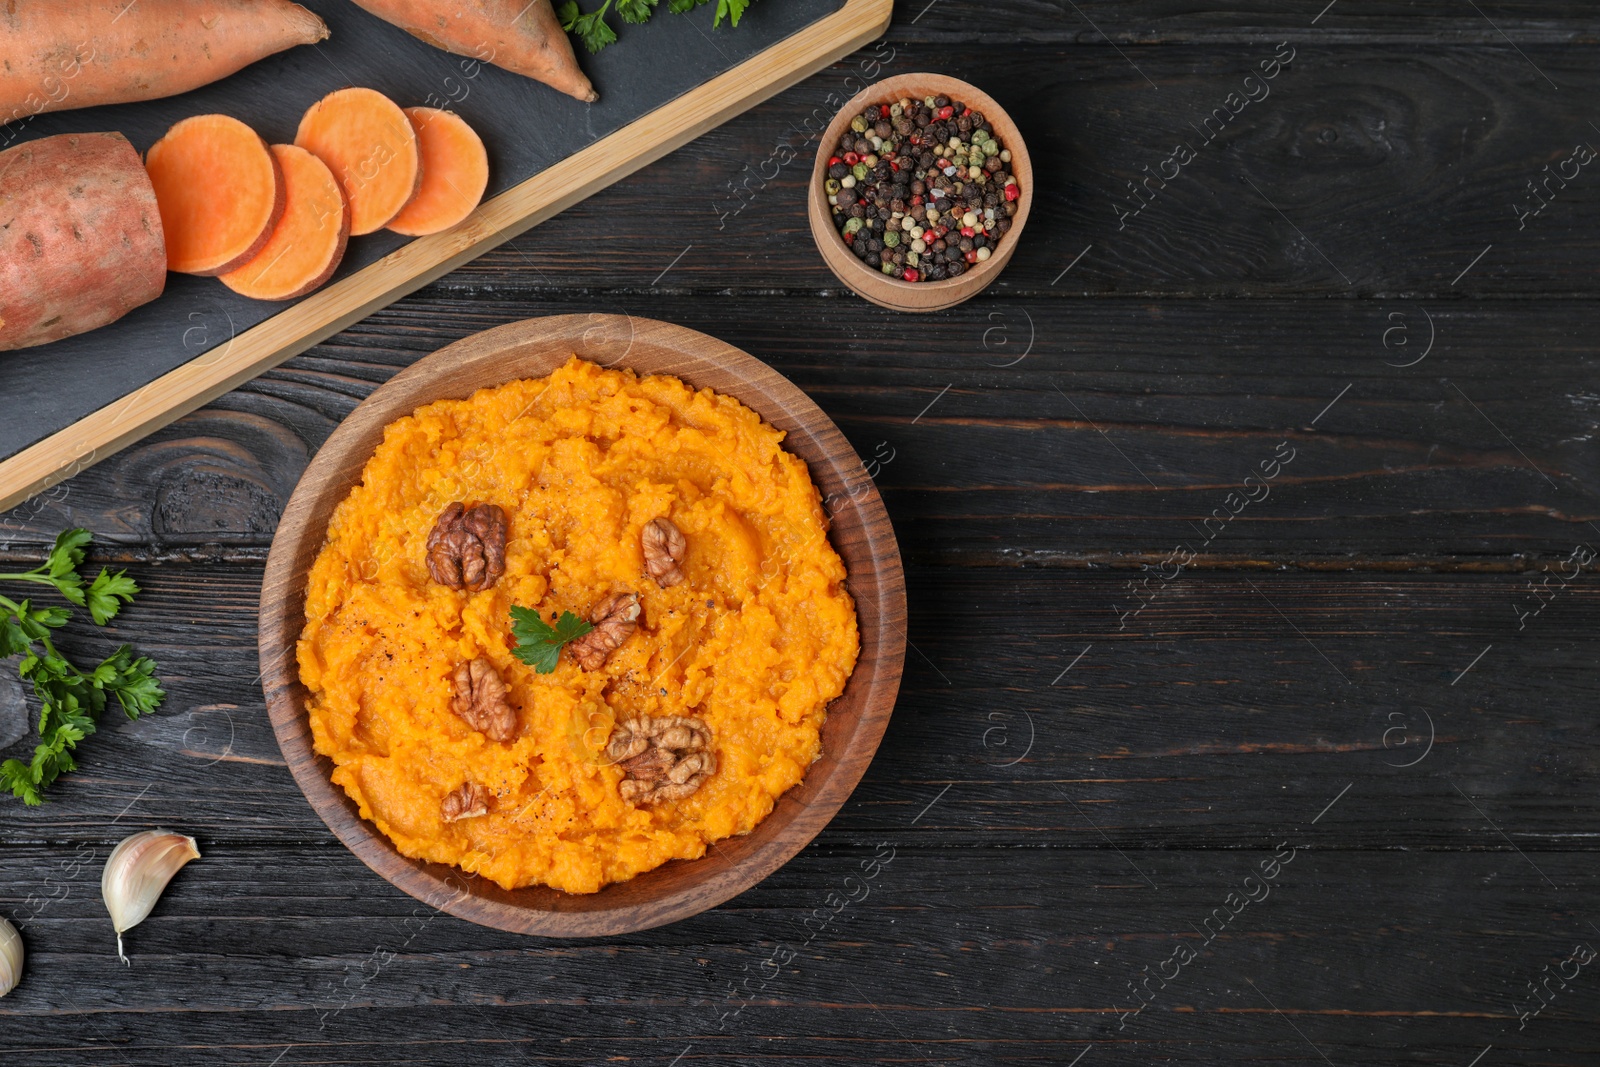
column 895, row 86
column 860, row 532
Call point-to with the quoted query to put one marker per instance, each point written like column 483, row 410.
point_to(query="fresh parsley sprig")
column 538, row 643
column 595, row 33
column 70, row 699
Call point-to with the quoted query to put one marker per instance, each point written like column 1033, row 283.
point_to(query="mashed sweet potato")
column 755, row 642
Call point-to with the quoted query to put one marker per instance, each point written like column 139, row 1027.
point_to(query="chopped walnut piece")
column 468, row 801
column 480, row 700
column 467, row 548
column 665, row 757
column 664, row 548
column 614, row 622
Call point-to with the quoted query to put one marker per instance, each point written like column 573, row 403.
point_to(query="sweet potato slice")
column 368, row 143
column 309, row 241
column 220, row 192
column 61, row 54
column 455, row 172
column 80, row 237
column 515, row 34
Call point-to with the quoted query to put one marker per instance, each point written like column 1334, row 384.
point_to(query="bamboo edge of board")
column 102, row 433
column 860, row 531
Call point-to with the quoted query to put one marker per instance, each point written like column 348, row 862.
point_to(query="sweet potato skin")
column 515, row 34
column 63, row 54
column 81, row 243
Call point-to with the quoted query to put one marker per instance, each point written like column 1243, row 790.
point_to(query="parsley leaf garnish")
column 538, row 643
column 70, row 699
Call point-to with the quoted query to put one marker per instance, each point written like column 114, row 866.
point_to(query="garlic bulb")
column 10, row 957
column 138, row 870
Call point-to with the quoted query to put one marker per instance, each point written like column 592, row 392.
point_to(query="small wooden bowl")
column 860, row 532
column 896, row 294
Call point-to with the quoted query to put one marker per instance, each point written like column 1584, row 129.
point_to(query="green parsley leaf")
column 636, row 12
column 591, row 29
column 733, row 10
column 538, row 643
column 679, row 7
column 106, row 594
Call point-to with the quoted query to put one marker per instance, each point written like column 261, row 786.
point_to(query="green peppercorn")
column 858, row 124
column 831, row 185
column 891, row 238
column 852, row 225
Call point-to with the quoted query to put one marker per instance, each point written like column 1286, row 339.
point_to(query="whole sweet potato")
column 80, row 237
column 520, row 35
column 61, row 54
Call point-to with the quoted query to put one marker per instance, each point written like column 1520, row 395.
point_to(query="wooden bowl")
column 860, row 532
column 896, row 294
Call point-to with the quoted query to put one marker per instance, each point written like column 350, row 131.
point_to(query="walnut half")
column 664, row 757
column 614, row 621
column 467, row 548
column 664, row 548
column 480, row 699
column 468, row 801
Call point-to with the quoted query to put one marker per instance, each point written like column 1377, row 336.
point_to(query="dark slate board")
column 525, row 125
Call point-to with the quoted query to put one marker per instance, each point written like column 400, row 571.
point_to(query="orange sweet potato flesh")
column 61, row 54
column 369, row 144
column 515, row 34
column 220, row 192
column 455, row 172
column 309, row 241
column 80, row 237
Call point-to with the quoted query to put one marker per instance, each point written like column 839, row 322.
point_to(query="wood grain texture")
column 895, row 293
column 1400, row 164
column 1272, row 692
column 859, row 531
column 1028, row 432
column 941, row 958
column 1184, row 729
column 347, row 301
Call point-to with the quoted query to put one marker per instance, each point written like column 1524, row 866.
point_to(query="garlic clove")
column 138, row 870
column 10, row 957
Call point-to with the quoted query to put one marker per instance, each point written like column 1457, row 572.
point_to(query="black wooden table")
column 1248, row 521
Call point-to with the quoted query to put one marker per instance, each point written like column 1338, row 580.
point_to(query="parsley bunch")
column 593, row 30
column 71, row 699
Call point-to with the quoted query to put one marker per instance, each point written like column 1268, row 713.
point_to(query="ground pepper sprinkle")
column 921, row 189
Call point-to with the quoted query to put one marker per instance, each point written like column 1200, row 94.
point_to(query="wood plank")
column 944, row 956
column 1399, row 165
column 1117, row 431
column 1165, row 22
column 1224, row 703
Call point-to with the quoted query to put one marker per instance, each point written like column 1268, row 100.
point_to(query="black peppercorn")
column 957, row 268
column 941, row 101
column 882, row 128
